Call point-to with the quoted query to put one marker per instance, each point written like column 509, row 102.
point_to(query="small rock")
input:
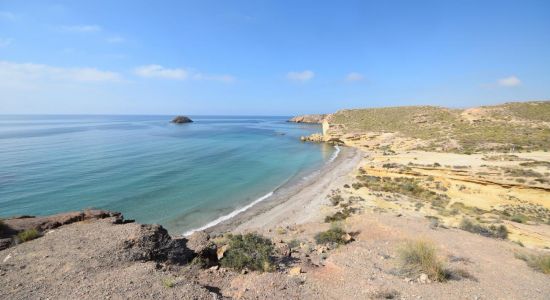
column 348, row 237
column 295, row 271
column 423, row 278
column 221, row 251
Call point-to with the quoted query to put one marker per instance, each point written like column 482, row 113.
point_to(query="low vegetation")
column 335, row 235
column 494, row 231
column 401, row 185
column 417, row 257
column 27, row 235
column 251, row 251
column 168, row 282
column 540, row 262
column 448, row 130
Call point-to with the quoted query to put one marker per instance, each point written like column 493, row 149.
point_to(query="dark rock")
column 205, row 249
column 5, row 243
column 181, row 120
column 153, row 242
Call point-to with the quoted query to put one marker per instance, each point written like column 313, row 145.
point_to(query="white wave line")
column 335, row 154
column 230, row 215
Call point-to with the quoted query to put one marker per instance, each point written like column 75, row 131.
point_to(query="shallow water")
column 181, row 176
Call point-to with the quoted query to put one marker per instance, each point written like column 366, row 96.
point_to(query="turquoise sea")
column 181, row 176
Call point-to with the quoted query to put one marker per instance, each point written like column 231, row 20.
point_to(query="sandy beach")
column 295, row 202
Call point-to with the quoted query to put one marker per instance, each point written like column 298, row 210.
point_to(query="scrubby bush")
column 335, row 235
column 251, row 251
column 519, row 218
column 418, row 257
column 293, row 244
column 335, row 197
column 500, row 232
column 539, row 262
column 27, row 235
column 168, row 282
column 340, row 215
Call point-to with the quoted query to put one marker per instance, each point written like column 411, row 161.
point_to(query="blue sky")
column 269, row 57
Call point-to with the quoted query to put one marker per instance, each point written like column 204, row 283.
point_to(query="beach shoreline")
column 294, row 203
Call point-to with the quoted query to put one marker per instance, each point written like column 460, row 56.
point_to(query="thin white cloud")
column 510, row 81
column 81, row 28
column 28, row 74
column 116, row 40
column 7, row 16
column 5, row 42
column 158, row 71
column 354, row 76
column 300, row 76
column 222, row 78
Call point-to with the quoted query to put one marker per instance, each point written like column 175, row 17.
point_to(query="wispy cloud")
column 28, row 74
column 7, row 16
column 510, row 81
column 5, row 42
column 302, row 76
column 354, row 76
column 81, row 28
column 158, row 71
column 115, row 40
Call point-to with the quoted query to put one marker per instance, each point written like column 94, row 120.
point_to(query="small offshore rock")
column 181, row 120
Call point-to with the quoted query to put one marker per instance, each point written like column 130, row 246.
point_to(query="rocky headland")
column 312, row 119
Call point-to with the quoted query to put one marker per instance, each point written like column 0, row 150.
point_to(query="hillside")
column 506, row 127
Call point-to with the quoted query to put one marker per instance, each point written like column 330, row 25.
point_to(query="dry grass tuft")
column 420, row 256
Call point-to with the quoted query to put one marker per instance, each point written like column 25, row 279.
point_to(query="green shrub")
column 418, row 257
column 168, row 282
column 334, row 235
column 251, row 251
column 27, row 235
column 519, row 218
column 499, row 232
column 293, row 244
column 539, row 262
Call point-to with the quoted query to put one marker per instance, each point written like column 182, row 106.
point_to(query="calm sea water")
column 180, row 176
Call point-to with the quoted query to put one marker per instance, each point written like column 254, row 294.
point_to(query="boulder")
column 152, row 242
column 199, row 242
column 181, row 120
column 283, row 249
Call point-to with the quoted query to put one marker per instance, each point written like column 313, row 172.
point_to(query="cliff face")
column 312, row 119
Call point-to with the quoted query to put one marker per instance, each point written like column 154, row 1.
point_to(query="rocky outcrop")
column 11, row 227
column 312, row 119
column 203, row 247
column 181, row 120
column 153, row 243
column 315, row 138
